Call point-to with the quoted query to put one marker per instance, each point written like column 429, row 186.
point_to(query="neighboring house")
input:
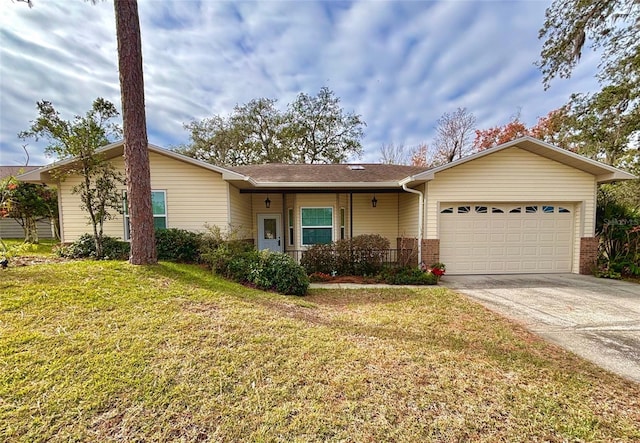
column 9, row 227
column 521, row 207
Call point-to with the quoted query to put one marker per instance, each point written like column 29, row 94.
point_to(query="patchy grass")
column 41, row 249
column 105, row 351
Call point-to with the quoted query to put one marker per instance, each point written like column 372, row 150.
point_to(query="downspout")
column 420, row 217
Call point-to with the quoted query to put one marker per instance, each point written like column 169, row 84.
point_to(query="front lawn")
column 105, row 351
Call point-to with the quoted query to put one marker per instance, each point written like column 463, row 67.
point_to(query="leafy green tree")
column 605, row 124
column 319, row 131
column 312, row 130
column 28, row 203
column 79, row 139
column 259, row 130
column 214, row 141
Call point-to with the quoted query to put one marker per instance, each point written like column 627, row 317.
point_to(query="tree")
column 259, row 130
column 136, row 154
column 79, row 139
column 312, row 130
column 553, row 128
column 611, row 26
column 604, row 126
column 28, row 203
column 419, row 156
column 321, row 132
column 453, row 135
column 498, row 135
column 606, row 123
column 392, row 154
column 215, row 141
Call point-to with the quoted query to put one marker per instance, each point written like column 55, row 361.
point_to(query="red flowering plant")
column 438, row 269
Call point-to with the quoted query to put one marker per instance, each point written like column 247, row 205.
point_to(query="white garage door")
column 486, row 238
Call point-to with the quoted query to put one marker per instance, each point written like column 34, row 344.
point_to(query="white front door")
column 269, row 232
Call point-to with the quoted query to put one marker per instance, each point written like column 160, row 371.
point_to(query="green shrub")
column 369, row 252
column 227, row 259
column 278, row 272
column 362, row 255
column 319, row 258
column 409, row 276
column 85, row 247
column 178, row 245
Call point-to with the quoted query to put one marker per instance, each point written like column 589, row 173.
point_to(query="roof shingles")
column 326, row 173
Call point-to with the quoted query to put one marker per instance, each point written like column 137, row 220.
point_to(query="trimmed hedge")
column 362, row 255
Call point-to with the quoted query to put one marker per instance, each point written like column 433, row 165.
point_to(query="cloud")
column 400, row 64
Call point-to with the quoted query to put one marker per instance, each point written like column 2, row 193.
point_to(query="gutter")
column 420, row 217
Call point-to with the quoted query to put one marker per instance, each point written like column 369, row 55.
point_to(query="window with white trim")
column 159, row 206
column 342, row 224
column 317, row 226
column 290, row 225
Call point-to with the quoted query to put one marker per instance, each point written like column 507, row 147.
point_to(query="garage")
column 506, row 238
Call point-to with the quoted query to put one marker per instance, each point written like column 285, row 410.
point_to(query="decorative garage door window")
column 478, row 209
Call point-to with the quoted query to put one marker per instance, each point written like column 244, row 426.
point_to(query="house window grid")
column 159, row 218
column 313, row 223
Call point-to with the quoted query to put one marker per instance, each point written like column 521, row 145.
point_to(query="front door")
column 269, row 232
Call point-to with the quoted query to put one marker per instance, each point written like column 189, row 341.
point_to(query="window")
column 317, row 226
column 531, row 209
column 290, row 225
column 447, row 211
column 159, row 205
column 464, row 209
column 562, row 210
column 481, row 209
column 496, row 211
column 515, row 211
column 548, row 209
column 342, row 224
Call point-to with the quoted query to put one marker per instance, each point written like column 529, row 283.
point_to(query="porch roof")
column 323, row 176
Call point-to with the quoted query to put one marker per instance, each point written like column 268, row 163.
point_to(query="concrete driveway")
column 598, row 319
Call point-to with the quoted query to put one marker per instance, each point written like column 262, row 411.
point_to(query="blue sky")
column 399, row 64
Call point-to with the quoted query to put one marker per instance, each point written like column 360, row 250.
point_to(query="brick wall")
column 431, row 251
column 588, row 254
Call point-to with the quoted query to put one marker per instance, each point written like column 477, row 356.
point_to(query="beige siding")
column 515, row 175
column 408, row 215
column 195, row 197
column 240, row 210
column 382, row 219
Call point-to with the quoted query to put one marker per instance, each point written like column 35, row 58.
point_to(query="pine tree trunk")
column 136, row 155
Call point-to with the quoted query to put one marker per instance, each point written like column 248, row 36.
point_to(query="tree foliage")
column 552, row 128
column 605, row 125
column 28, row 203
column 313, row 129
column 319, row 131
column 79, row 139
column 611, row 26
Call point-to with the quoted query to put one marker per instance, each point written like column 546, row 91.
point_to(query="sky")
column 399, row 64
